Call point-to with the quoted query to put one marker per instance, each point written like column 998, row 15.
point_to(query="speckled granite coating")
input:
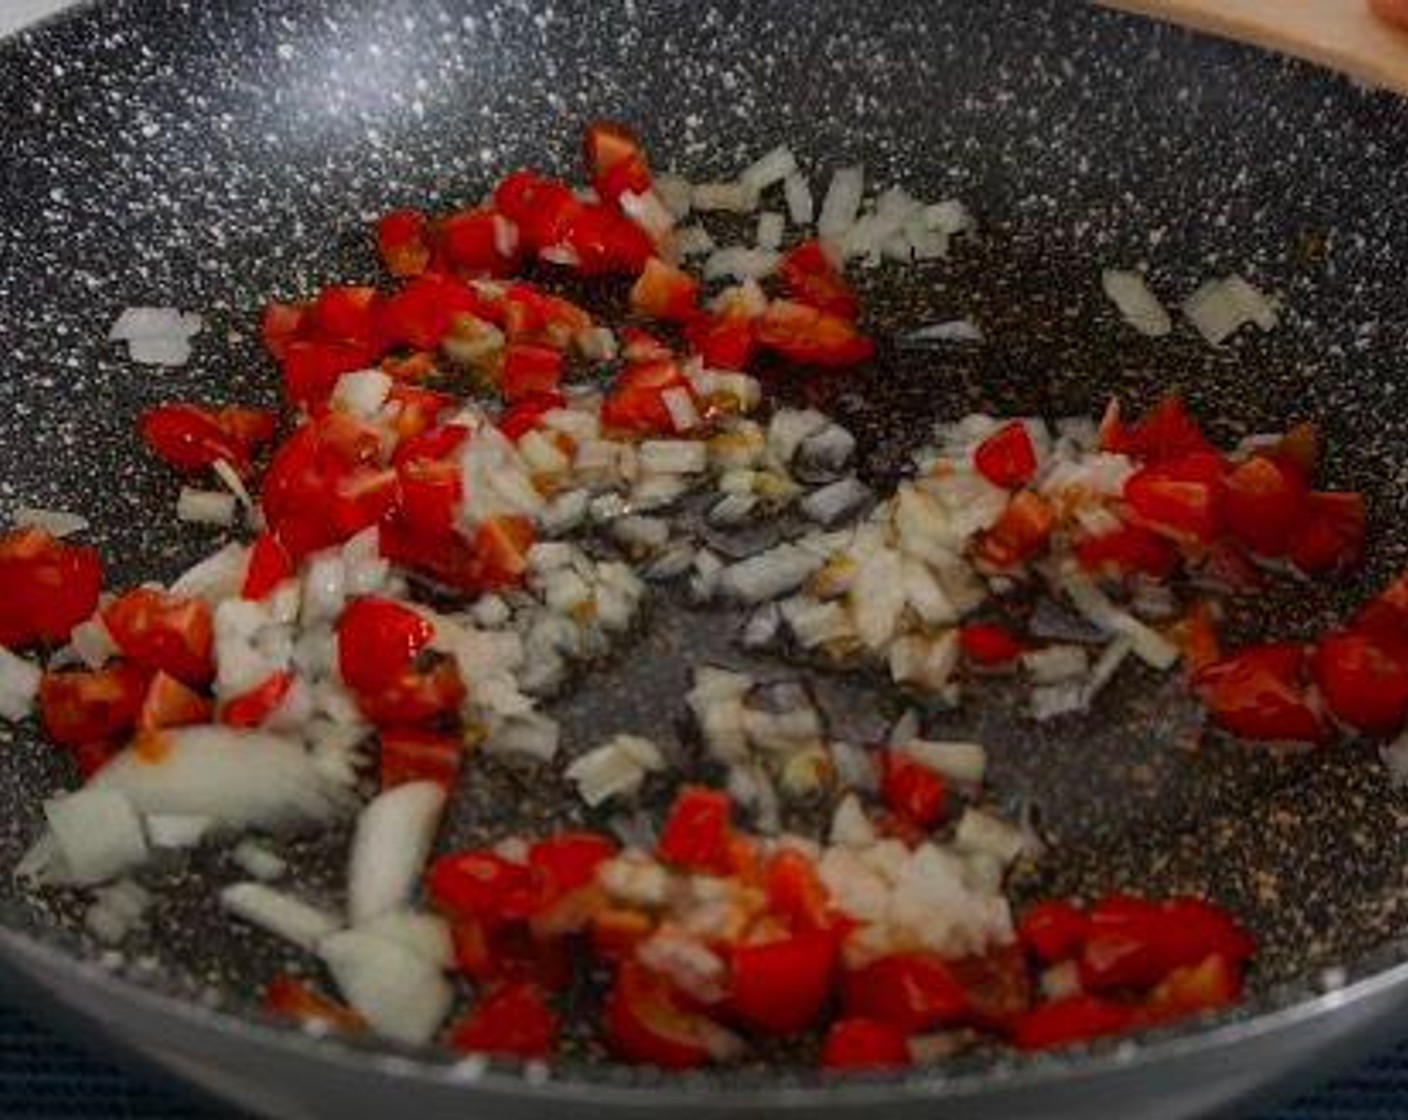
column 212, row 154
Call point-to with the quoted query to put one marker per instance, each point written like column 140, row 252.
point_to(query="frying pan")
column 212, row 155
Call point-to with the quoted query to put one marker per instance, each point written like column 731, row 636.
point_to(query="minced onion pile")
column 467, row 559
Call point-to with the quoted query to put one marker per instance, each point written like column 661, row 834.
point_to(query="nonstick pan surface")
column 213, row 155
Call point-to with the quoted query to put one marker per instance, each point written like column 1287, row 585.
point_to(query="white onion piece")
column 790, row 427
column 257, row 861
column 949, row 217
column 740, row 262
column 649, row 212
column 963, row 762
column 769, row 574
column 770, row 168
column 674, row 456
column 733, row 198
column 842, row 201
column 979, row 831
column 205, row 507
column 532, row 735
column 153, row 322
column 684, row 416
column 55, row 522
column 877, row 598
column 1395, row 759
column 177, row 830
column 835, row 502
column 389, row 848
column 116, row 911
column 953, row 330
column 273, row 911
column 1106, row 666
column 1220, row 308
column 233, row 482
column 1149, row 646
column 361, row 393
column 19, row 685
column 168, row 353
column 1052, row 700
column 1139, row 307
column 98, row 833
column 1056, row 663
column 771, row 228
column 217, row 577
column 426, row 935
column 237, row 778
column 403, row 996
column 648, row 534
column 676, row 193
column 800, row 206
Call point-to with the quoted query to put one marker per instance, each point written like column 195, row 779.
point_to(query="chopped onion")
column 800, row 206
column 1056, row 663
column 770, row 168
column 1395, row 760
column 963, row 762
column 1052, row 700
column 836, row 502
column 649, row 212
column 217, row 577
column 771, row 227
column 205, row 507
column 672, row 563
column 842, row 201
column 734, row 198
column 1220, row 308
column 877, row 598
column 704, row 581
column 740, row 262
column 674, row 456
column 1140, row 308
column 361, row 393
column 97, row 832
column 762, row 627
column 954, row 330
column 769, row 574
column 403, row 995
column 732, row 509
column 232, row 480
column 426, row 935
column 949, row 217
column 389, row 848
column 684, row 416
column 116, row 910
column 55, row 522
column 1107, row 665
column 532, row 735
column 1149, row 646
column 646, row 534
column 19, row 685
column 676, row 193
column 177, row 830
column 615, row 769
column 982, row 832
column 788, row 429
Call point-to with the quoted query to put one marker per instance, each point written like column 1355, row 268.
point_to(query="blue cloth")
column 43, row 1077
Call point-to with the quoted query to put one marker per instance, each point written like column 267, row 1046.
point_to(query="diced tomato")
column 1007, row 458
column 420, row 315
column 479, row 243
column 1196, row 635
column 528, row 413
column 811, row 337
column 566, row 863
column 1054, row 931
column 430, row 446
column 647, row 1022
column 169, row 703
column 780, row 987
column 1263, row 503
column 160, row 631
column 912, row 791
column 1133, row 942
column 641, row 346
column 253, row 427
column 1129, row 550
column 1212, row 984
column 1022, row 532
column 909, row 991
column 529, row 370
column 268, row 566
column 322, row 460
column 345, row 313
column 1259, row 694
column 190, row 438
column 697, row 831
column 665, row 292
column 998, row 984
column 540, row 207
column 512, row 1021
column 864, row 1044
column 796, row 893
column 295, row 999
column 1364, row 683
column 252, row 708
column 1070, row 1021
column 1299, row 449
column 528, row 314
column 416, row 365
column 606, row 243
column 722, row 341
column 430, row 495
column 311, row 369
column 482, row 886
column 280, row 325
column 501, row 545
column 92, row 707
column 402, row 239
column 378, row 640
column 636, row 401
column 417, row 410
column 1179, row 498
column 49, row 587
column 988, row 644
column 1331, row 535
column 808, row 276
column 410, row 754
column 1385, row 617
column 615, row 160
column 1165, row 432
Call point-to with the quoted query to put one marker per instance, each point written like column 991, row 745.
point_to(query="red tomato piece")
column 268, row 566
column 606, row 243
column 421, row 314
column 312, row 465
column 1054, row 931
column 647, row 1022
column 1196, row 635
column 636, row 401
column 512, row 1021
column 482, row 886
column 1070, row 1021
column 377, row 641
column 1129, row 550
column 402, row 239
column 1167, row 431
column 1330, row 537
column 527, row 414
column 430, row 495
column 998, row 984
column 796, row 893
column 164, row 632
column 529, row 370
column 808, row 276
column 697, row 832
column 864, row 1044
column 1364, row 683
column 530, row 315
column 253, row 427
column 49, row 587
column 1007, row 458
column 566, row 863
column 911, row 992
column 479, row 243
column 912, row 791
column 1212, row 984
column 615, row 160
column 1259, row 694
column 1021, row 533
column 1179, row 498
column 665, row 292
column 345, row 313
column 169, row 703
column 280, row 325
column 1133, row 942
column 410, row 754
column 430, row 446
column 722, row 341
column 252, row 708
column 779, row 987
column 989, row 645
column 540, row 207
column 638, row 346
column 92, row 707
column 415, row 697
column 811, row 337
column 295, row 999
column 190, row 438
column 1263, row 503
column 311, row 369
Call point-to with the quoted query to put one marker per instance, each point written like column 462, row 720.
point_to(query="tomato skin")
column 529, row 370
column 780, row 987
column 494, row 560
column 99, row 706
column 190, row 438
column 49, row 587
column 430, row 445
column 295, row 999
column 1070, row 1021
column 912, row 791
column 164, row 632
column 998, row 985
column 511, row 1021
column 606, row 243
column 1007, row 458
column 1259, row 694
column 1128, row 550
column 1166, row 432
column 377, row 641
column 540, row 207
column 402, row 241
column 1330, row 538
column 268, row 566
column 808, row 276
column 566, row 863
column 697, row 831
column 909, row 991
column 810, row 337
column 1179, row 498
column 1364, row 684
column 615, row 160
column 281, row 324
column 797, row 894
column 345, row 313
column 645, row 1022
column 481, row 886
column 1263, row 503
column 989, row 645
column 420, row 314
column 1133, row 942
column 636, row 402
column 722, row 341
column 1054, row 931
column 665, row 292
column 169, row 703
column 410, row 754
column 470, row 242
column 430, row 495
column 1021, row 533
column 526, row 414
column 311, row 369
column 252, row 708
column 864, row 1044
